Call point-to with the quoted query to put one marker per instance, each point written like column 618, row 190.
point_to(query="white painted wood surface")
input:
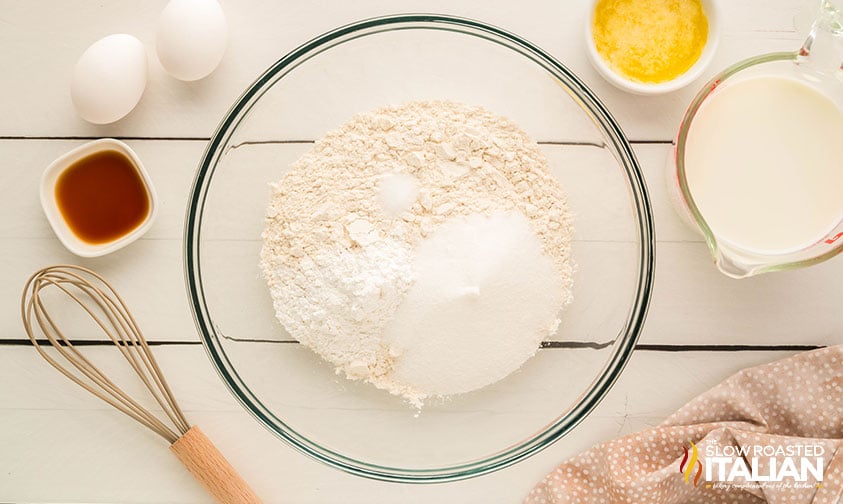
column 58, row 445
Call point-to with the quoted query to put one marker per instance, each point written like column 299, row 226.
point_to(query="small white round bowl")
column 712, row 12
column 51, row 209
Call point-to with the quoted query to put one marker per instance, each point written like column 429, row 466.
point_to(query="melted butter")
column 650, row 41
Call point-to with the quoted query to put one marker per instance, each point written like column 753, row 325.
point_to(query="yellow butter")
column 650, row 41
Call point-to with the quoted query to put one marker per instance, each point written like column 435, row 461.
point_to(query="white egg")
column 191, row 38
column 109, row 78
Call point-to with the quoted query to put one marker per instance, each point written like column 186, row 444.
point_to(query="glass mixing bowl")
column 352, row 425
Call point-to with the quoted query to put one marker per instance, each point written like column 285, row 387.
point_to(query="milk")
column 764, row 164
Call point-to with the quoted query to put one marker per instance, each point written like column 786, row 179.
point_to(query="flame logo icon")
column 686, row 467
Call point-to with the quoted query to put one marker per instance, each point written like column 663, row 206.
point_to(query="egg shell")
column 191, row 38
column 109, row 78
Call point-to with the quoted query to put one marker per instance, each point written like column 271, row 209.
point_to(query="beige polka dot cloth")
column 783, row 420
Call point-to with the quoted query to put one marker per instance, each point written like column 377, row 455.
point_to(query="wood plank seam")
column 546, row 345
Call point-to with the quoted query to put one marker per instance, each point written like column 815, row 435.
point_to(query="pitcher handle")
column 822, row 51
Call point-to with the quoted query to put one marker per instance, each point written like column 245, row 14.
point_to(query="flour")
column 345, row 223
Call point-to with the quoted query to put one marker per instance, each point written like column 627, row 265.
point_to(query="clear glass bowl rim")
column 624, row 343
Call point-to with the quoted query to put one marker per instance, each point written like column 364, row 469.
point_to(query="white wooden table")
column 59, row 445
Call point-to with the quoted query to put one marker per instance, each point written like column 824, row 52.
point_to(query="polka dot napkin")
column 772, row 433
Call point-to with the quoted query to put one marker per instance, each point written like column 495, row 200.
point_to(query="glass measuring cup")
column 818, row 63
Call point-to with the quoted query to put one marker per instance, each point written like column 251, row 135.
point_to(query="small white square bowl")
column 51, row 209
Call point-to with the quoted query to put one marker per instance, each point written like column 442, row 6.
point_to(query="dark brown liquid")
column 102, row 197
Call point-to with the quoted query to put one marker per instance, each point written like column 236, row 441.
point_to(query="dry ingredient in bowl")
column 650, row 41
column 423, row 248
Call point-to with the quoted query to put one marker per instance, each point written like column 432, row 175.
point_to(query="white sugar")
column 485, row 296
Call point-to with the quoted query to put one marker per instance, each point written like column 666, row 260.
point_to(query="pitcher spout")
column 732, row 266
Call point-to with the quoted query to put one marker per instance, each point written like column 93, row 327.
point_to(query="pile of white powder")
column 424, row 248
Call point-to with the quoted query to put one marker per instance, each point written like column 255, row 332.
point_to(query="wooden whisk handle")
column 209, row 466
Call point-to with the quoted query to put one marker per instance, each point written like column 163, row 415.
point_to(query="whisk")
column 98, row 299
